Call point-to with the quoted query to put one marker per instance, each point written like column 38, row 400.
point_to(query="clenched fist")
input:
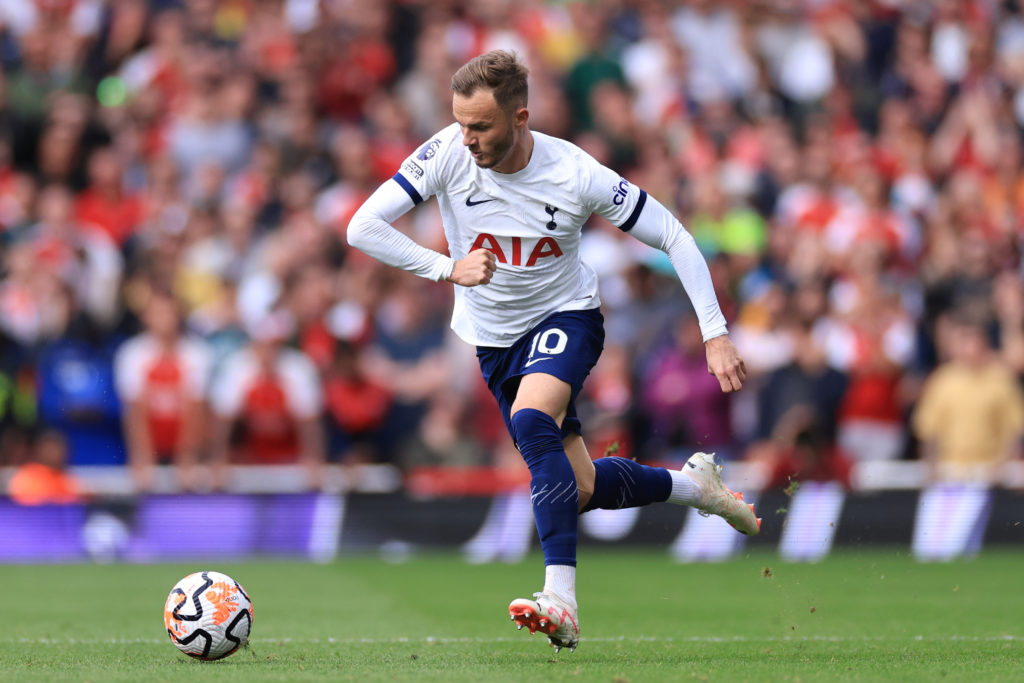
column 476, row 269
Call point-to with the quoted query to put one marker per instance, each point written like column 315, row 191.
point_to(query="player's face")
column 487, row 131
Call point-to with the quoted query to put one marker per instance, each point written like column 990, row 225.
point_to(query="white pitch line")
column 429, row 640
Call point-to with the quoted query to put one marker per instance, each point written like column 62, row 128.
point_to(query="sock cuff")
column 685, row 491
column 533, row 415
column 560, row 580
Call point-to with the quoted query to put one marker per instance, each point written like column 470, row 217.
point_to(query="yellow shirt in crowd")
column 972, row 415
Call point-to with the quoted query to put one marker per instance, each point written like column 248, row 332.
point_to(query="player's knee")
column 532, row 428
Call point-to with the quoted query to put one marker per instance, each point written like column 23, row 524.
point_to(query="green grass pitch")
column 856, row 616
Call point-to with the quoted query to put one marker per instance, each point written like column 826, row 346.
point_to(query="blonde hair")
column 499, row 71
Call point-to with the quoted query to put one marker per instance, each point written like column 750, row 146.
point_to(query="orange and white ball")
column 208, row 615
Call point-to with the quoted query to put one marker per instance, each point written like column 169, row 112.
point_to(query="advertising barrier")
column 936, row 524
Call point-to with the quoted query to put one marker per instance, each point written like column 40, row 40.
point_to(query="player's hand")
column 725, row 364
column 476, row 269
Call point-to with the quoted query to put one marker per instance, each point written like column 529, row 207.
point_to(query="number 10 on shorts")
column 549, row 342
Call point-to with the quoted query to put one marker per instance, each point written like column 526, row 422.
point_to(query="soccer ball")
column 208, row 615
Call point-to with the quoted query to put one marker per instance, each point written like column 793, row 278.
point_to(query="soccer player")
column 513, row 203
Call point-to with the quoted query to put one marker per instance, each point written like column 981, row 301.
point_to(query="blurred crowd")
column 176, row 178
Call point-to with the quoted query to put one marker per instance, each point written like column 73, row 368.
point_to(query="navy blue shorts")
column 565, row 345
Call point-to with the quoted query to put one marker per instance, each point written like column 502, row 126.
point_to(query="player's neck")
column 519, row 158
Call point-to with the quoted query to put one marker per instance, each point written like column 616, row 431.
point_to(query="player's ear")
column 520, row 117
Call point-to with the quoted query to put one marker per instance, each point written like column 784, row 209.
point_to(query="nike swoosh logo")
column 535, row 360
column 470, row 202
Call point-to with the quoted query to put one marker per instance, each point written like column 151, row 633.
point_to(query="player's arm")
column 186, row 460
column 372, row 232
column 656, row 226
column 220, row 445
column 194, row 427
column 128, row 384
column 646, row 219
column 225, row 401
column 141, row 458
column 304, row 396
column 313, row 451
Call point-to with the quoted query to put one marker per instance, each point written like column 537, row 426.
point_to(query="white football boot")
column 716, row 498
column 550, row 615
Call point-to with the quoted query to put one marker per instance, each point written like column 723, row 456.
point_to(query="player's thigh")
column 582, row 466
column 545, row 393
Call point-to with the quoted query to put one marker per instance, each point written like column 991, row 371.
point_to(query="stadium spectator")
column 87, row 260
column 335, row 204
column 423, row 89
column 161, row 377
column 969, row 419
column 655, row 67
column 75, row 381
column 267, row 405
column 798, row 406
column 55, row 148
column 719, row 64
column 444, row 437
column 358, row 67
column 871, row 339
column 357, row 407
column 44, row 480
column 207, row 129
column 593, row 66
column 686, row 408
column 48, row 66
column 408, row 357
column 105, row 204
column 970, row 415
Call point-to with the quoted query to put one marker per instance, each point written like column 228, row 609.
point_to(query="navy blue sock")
column 623, row 483
column 553, row 489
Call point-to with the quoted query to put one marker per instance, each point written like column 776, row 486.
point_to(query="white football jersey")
column 531, row 220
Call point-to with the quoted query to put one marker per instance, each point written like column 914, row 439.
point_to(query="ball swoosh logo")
column 470, row 202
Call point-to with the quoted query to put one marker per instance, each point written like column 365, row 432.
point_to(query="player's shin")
column 623, row 483
column 553, row 491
